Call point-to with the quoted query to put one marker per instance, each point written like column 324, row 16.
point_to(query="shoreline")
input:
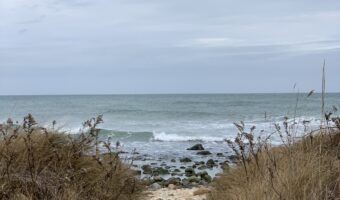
column 183, row 171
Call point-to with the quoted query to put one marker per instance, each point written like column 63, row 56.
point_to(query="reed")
column 37, row 163
column 293, row 171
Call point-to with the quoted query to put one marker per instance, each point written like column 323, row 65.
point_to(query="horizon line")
column 131, row 94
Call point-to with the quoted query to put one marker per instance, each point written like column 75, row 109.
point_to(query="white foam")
column 162, row 136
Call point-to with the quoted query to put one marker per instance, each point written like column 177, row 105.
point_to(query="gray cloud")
column 165, row 46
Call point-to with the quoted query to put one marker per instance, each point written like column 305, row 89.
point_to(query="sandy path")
column 176, row 194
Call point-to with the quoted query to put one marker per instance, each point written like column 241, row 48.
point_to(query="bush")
column 36, row 163
column 308, row 168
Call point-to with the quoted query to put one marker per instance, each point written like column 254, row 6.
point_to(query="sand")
column 177, row 194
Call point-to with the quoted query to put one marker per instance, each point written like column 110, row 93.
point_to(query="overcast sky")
column 167, row 46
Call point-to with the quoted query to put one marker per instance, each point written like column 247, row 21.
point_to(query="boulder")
column 196, row 147
column 190, row 172
column 210, row 163
column 147, row 169
column 224, row 165
column 172, row 187
column 219, row 154
column 173, row 181
column 155, row 186
column 185, row 159
column 159, row 170
column 158, row 179
column 205, row 176
column 202, row 167
column 186, row 183
column 204, row 153
column 194, row 179
column 233, row 158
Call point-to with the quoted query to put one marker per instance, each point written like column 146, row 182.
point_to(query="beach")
column 177, row 194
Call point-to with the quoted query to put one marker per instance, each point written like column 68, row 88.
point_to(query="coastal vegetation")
column 40, row 163
column 299, row 169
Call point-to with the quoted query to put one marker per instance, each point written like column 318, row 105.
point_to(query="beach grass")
column 37, row 163
column 307, row 168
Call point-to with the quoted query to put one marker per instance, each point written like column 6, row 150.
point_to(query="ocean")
column 162, row 127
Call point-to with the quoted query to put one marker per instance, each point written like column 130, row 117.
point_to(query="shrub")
column 308, row 168
column 36, row 163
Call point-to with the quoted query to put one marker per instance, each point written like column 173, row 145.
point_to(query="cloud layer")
column 140, row 46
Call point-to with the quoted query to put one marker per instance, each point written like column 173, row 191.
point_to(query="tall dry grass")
column 304, row 169
column 36, row 163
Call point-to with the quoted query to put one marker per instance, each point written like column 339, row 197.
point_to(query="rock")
column 194, row 179
column 185, row 159
column 147, row 180
column 219, row 154
column 172, row 187
column 205, row 176
column 177, row 174
column 155, row 186
column 158, row 179
column 203, row 182
column 154, row 171
column 201, row 191
column 204, row 153
column 162, row 171
column 173, row 160
column 233, row 158
column 210, row 163
column 203, row 167
column 224, row 166
column 190, row 172
column 186, row 183
column 173, row 181
column 196, row 147
column 147, row 169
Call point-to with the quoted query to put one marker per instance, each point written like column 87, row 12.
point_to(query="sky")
column 174, row 46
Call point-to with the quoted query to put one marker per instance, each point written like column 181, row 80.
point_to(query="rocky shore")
column 183, row 172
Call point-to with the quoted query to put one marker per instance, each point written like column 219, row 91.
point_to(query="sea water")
column 162, row 127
